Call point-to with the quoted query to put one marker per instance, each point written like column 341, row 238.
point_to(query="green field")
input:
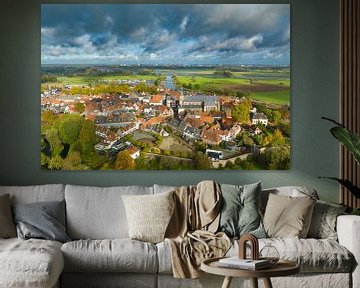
column 268, row 84
column 277, row 97
column 84, row 80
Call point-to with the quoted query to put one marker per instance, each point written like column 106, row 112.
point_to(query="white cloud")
column 48, row 31
column 184, row 23
column 109, row 22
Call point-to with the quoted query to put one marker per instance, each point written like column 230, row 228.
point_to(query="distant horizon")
column 165, row 34
column 165, row 65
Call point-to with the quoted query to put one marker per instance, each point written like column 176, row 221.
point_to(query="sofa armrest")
column 348, row 230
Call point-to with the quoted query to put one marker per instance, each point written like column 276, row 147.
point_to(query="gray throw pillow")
column 240, row 213
column 7, row 226
column 323, row 222
column 43, row 220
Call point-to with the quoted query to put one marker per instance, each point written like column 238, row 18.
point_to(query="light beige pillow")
column 149, row 215
column 7, row 226
column 288, row 217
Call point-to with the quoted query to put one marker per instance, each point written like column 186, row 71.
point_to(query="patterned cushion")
column 323, row 223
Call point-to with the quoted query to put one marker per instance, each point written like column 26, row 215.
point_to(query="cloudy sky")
column 202, row 34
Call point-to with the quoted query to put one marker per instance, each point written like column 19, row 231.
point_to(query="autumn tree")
column 87, row 136
column 278, row 158
column 69, row 128
column 56, row 163
column 56, row 145
column 241, row 111
column 79, row 107
column 124, row 161
column 202, row 162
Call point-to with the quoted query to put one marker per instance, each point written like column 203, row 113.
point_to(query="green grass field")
column 84, row 80
column 263, row 84
column 281, row 97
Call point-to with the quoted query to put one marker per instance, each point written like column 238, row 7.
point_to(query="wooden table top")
column 281, row 268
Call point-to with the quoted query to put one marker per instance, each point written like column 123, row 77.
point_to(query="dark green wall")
column 314, row 93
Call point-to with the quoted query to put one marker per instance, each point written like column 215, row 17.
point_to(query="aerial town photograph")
column 165, row 87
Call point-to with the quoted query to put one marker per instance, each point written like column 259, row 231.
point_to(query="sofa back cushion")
column 290, row 191
column 34, row 193
column 98, row 212
column 7, row 226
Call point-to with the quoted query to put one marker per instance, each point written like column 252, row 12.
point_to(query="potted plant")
column 351, row 141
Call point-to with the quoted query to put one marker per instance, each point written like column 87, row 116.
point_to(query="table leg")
column 254, row 282
column 227, row 282
column 267, row 283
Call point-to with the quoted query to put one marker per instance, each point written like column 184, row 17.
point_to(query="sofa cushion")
column 149, row 215
column 7, row 226
column 290, row 191
column 287, row 216
column 43, row 220
column 240, row 212
column 98, row 213
column 34, row 193
column 30, row 263
column 313, row 255
column 117, row 255
column 323, row 222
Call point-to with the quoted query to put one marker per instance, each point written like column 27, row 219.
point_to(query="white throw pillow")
column 149, row 215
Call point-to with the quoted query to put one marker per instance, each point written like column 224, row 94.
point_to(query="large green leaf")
column 348, row 138
column 348, row 185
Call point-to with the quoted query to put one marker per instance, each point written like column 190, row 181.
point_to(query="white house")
column 259, row 118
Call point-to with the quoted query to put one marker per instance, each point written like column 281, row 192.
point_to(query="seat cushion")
column 98, row 213
column 313, row 255
column 117, row 255
column 30, row 263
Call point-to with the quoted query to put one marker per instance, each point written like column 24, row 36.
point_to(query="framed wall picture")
column 165, row 86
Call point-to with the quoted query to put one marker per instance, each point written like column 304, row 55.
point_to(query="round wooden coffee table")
column 281, row 268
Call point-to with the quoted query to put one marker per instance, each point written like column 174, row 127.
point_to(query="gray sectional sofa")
column 101, row 254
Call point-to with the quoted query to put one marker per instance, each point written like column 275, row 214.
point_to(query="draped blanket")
column 191, row 231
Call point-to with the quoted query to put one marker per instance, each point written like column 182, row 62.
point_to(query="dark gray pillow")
column 44, row 220
column 240, row 213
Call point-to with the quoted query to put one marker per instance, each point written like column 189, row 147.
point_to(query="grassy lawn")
column 277, row 97
column 211, row 81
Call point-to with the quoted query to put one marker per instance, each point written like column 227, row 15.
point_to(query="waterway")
column 169, row 83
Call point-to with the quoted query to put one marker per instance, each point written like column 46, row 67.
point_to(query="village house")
column 115, row 120
column 152, row 121
column 191, row 133
column 156, row 100
column 200, row 102
column 123, row 131
column 133, row 151
column 259, row 118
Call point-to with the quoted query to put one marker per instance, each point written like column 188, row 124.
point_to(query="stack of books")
column 248, row 264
